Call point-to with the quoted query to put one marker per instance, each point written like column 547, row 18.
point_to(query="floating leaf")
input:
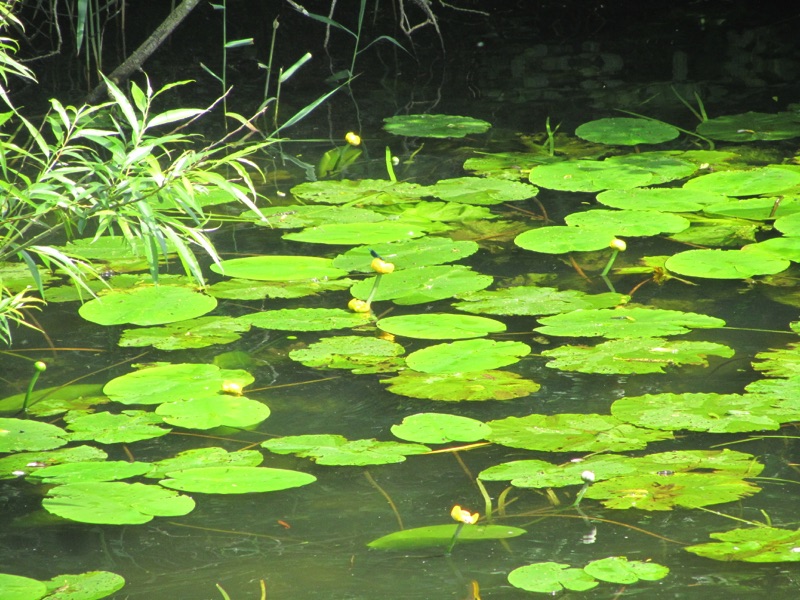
column 445, row 211
column 24, row 434
column 305, row 319
column 107, row 428
column 724, row 264
column 625, row 131
column 336, row 450
column 440, row 535
column 147, row 305
column 26, row 463
column 235, row 480
column 246, row 289
column 363, row 191
column 358, row 233
column 466, row 356
column 753, row 182
column 571, row 433
column 453, row 387
column 438, row 428
column 47, row 402
column 787, row 248
column 297, row 216
column 628, row 356
column 405, row 255
column 757, row 545
column 481, row 191
column 535, row 300
column 551, row 577
column 440, row 326
column 626, row 322
column 628, row 223
column 755, row 209
column 115, row 503
column 654, row 492
column 75, row 472
column 279, row 268
column 213, row 411
column 660, row 199
column 205, row 457
column 15, row 587
column 194, row 333
column 618, row 569
column 559, row 239
column 154, row 385
column 423, row 284
column 751, row 127
column 507, row 165
column 84, row 586
column 347, row 352
column 434, row 126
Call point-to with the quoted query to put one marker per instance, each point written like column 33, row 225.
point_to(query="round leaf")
column 279, row 268
column 453, row 387
column 724, row 264
column 625, row 131
column 437, row 428
column 434, row 126
column 440, row 326
column 213, row 411
column 147, row 305
column 753, row 182
column 466, row 356
column 235, row 480
column 559, row 239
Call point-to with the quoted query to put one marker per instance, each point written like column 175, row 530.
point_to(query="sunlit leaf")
column 618, row 569
column 551, row 577
column 434, row 126
column 534, row 300
column 327, row 449
column 440, row 535
column 626, row 131
column 24, row 434
column 440, row 326
column 438, row 428
column 454, row 387
column 626, row 322
column 108, row 428
column 278, row 268
column 466, row 356
column 235, row 480
column 147, row 305
column 758, row 545
column 423, row 284
column 213, row 411
column 194, row 333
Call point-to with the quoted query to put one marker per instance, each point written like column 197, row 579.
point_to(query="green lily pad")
column 305, row 319
column 115, row 503
column 235, row 480
column 213, row 411
column 755, row 209
column 626, row 322
column 756, row 545
column 506, row 165
column 434, row 126
column 788, row 225
column 204, row 457
column 655, row 492
column 779, row 362
column 26, row 463
column 444, row 211
column 440, row 326
column 408, row 254
column 84, row 586
column 24, row 434
column 467, row 355
column 247, row 289
column 551, row 577
column 438, row 428
column 154, row 385
column 351, row 234
column 787, row 248
column 660, row 199
column 47, row 402
column 481, row 191
column 751, row 127
column 726, row 233
column 327, row 449
column 559, row 239
column 435, row 536
column 107, row 428
column 618, row 569
column 715, row 413
column 297, row 216
column 15, row 587
column 628, row 223
column 363, row 191
column 347, row 352
column 76, row 472
column 626, row 131
column 279, row 268
column 147, row 305
column 454, row 387
column 571, row 433
column 629, row 356
column 423, row 284
column 194, row 333
column 753, row 182
column 724, row 264
column 535, row 300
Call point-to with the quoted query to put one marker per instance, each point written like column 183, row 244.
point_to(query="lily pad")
column 423, row 284
column 481, row 191
column 779, row 362
column 438, row 428
column 625, row 131
column 660, row 199
column 235, row 480
column 24, row 434
column 213, row 411
column 408, row 254
column 434, row 126
column 454, row 387
column 467, row 355
column 618, row 569
column 626, row 322
column 108, row 428
column 756, row 545
column 75, row 472
column 204, row 457
column 550, row 578
column 194, row 333
column 147, row 305
column 84, row 586
column 347, row 352
column 559, row 239
column 351, row 234
column 247, row 289
column 440, row 326
column 535, row 300
column 279, row 268
column 629, row 356
column 15, row 587
column 724, row 264
column 435, row 536
column 755, row 209
column 751, row 127
column 305, row 319
column 363, row 191
column 115, row 503
column 26, row 463
column 752, row 182
column 327, row 449
column 47, row 402
column 628, row 223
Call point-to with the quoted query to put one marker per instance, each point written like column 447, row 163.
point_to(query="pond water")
column 310, row 542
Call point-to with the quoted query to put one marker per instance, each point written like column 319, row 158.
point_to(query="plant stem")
column 610, row 262
column 390, row 166
column 449, row 551
column 40, row 367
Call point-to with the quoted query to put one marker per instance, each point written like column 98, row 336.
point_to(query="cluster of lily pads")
column 451, row 315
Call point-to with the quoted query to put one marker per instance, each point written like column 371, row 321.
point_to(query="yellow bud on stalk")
column 358, row 306
column 353, row 138
column 618, row 244
column 381, row 267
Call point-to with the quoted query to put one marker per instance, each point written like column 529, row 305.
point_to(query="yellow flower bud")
column 358, row 306
column 464, row 516
column 353, row 138
column 381, row 266
column 232, row 388
column 618, row 244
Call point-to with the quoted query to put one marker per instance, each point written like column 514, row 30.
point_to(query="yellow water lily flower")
column 381, row 266
column 358, row 306
column 230, row 387
column 353, row 138
column 464, row 516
